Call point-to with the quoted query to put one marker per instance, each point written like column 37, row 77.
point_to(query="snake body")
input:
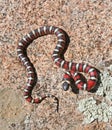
column 72, row 69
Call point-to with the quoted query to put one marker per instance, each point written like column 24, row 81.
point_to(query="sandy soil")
column 89, row 26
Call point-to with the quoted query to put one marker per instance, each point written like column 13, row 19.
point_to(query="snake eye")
column 65, row 86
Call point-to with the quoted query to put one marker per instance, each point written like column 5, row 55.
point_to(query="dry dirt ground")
column 89, row 26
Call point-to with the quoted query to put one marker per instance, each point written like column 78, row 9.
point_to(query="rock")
column 10, row 108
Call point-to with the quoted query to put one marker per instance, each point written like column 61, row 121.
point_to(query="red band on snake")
column 72, row 69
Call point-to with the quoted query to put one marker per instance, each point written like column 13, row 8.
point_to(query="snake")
column 73, row 70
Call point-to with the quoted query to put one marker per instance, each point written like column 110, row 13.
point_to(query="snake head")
column 65, row 86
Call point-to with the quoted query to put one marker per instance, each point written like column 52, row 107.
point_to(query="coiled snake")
column 72, row 69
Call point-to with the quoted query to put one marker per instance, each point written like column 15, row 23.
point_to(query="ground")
column 88, row 24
